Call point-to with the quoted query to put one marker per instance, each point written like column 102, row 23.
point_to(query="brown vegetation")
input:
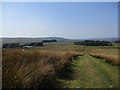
column 32, row 68
column 110, row 55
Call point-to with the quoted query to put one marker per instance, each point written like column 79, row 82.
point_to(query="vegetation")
column 52, row 40
column 118, row 41
column 110, row 55
column 33, row 69
column 18, row 45
column 33, row 44
column 93, row 43
column 11, row 45
column 90, row 72
column 60, row 65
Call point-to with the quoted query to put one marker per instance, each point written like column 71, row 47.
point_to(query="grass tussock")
column 33, row 69
column 109, row 59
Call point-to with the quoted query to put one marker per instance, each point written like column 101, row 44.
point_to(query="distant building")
column 27, row 46
column 33, row 44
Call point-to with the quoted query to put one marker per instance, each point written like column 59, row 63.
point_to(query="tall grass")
column 109, row 59
column 32, row 68
column 110, row 55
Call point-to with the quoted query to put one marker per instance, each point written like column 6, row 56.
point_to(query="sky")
column 0, row 19
column 73, row 20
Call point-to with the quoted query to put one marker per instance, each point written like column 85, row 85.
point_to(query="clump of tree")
column 93, row 43
column 34, row 44
column 118, row 41
column 17, row 45
column 11, row 45
column 52, row 40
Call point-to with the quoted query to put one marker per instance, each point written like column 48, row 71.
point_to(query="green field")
column 90, row 72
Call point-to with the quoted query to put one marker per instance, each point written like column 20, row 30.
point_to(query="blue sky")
column 70, row 20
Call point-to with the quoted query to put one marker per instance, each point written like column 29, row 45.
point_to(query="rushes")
column 32, row 69
column 109, row 59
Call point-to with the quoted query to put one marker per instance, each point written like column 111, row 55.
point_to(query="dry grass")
column 59, row 47
column 110, row 55
column 40, row 66
column 32, row 68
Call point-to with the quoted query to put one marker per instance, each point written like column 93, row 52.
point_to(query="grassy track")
column 90, row 72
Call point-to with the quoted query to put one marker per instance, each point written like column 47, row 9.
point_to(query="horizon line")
column 60, row 1
column 54, row 37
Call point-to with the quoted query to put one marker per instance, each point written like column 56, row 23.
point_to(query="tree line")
column 93, row 43
column 118, row 41
column 18, row 45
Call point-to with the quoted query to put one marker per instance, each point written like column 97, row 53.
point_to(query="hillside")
column 27, row 40
column 38, row 39
column 105, row 39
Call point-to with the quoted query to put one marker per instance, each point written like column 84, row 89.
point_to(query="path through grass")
column 90, row 72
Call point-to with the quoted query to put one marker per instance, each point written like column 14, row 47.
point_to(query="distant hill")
column 38, row 39
column 100, row 39
column 105, row 39
column 27, row 40
column 57, row 38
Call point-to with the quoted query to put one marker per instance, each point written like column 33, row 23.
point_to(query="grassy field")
column 33, row 68
column 90, row 72
column 61, row 65
column 111, row 55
